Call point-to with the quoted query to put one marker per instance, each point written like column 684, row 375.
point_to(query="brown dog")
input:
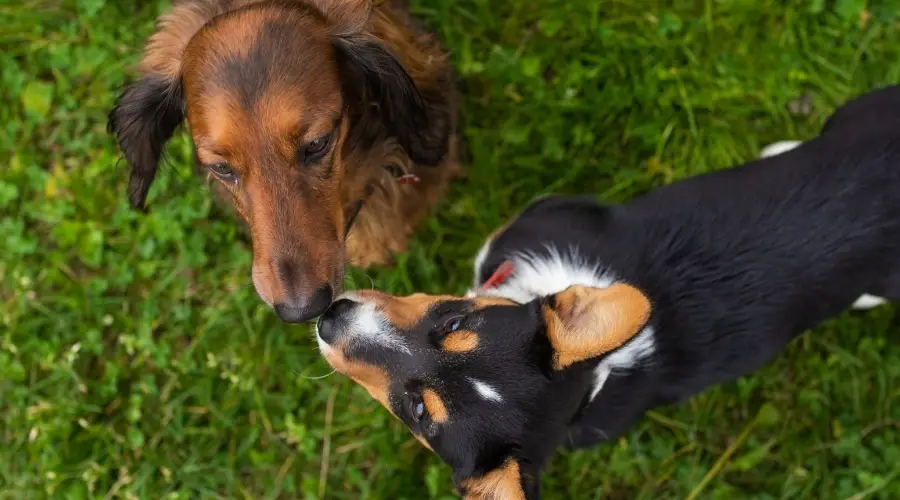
column 305, row 113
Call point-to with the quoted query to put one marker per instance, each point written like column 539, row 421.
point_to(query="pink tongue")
column 499, row 276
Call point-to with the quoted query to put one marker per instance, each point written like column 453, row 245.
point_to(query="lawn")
column 137, row 362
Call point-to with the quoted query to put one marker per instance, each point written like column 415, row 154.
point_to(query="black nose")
column 306, row 308
column 333, row 313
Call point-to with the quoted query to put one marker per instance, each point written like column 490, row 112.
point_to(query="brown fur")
column 406, row 312
column 257, row 121
column 435, row 406
column 586, row 322
column 460, row 341
column 372, row 378
column 502, row 483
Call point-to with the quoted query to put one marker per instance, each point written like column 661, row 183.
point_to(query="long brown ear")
column 507, row 482
column 585, row 322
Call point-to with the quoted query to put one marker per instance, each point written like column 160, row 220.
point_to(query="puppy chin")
column 324, row 348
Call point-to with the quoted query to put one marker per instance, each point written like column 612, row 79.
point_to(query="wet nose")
column 332, row 314
column 305, row 308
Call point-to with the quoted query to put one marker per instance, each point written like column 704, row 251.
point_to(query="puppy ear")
column 375, row 81
column 511, row 481
column 345, row 17
column 143, row 120
column 585, row 322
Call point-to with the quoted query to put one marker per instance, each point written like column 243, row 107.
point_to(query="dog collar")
column 500, row 275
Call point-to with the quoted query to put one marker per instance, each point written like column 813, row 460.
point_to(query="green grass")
column 137, row 362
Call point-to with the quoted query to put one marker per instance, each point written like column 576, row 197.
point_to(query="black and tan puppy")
column 585, row 316
column 305, row 114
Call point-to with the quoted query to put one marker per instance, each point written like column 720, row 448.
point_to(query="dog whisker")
column 371, row 281
column 320, row 377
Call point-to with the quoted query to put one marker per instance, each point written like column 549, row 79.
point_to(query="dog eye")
column 315, row 149
column 317, row 145
column 419, row 410
column 222, row 170
column 453, row 324
column 416, row 408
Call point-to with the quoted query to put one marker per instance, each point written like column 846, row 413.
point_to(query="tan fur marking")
column 587, row 322
column 502, row 483
column 460, row 341
column 406, row 312
column 435, row 406
column 374, row 379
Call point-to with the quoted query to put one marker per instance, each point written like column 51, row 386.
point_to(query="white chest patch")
column 536, row 276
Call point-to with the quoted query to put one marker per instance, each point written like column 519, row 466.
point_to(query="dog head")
column 486, row 383
column 269, row 90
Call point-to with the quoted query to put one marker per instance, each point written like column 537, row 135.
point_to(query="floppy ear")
column 421, row 127
column 143, row 119
column 511, row 481
column 585, row 322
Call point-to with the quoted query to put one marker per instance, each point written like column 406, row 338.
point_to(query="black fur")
column 376, row 84
column 143, row 119
column 736, row 264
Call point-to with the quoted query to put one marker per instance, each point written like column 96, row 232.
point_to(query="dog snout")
column 295, row 292
column 327, row 325
column 300, row 308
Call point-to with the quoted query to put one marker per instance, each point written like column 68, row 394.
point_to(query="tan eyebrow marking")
column 460, row 341
column 372, row 378
column 406, row 312
column 434, row 405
